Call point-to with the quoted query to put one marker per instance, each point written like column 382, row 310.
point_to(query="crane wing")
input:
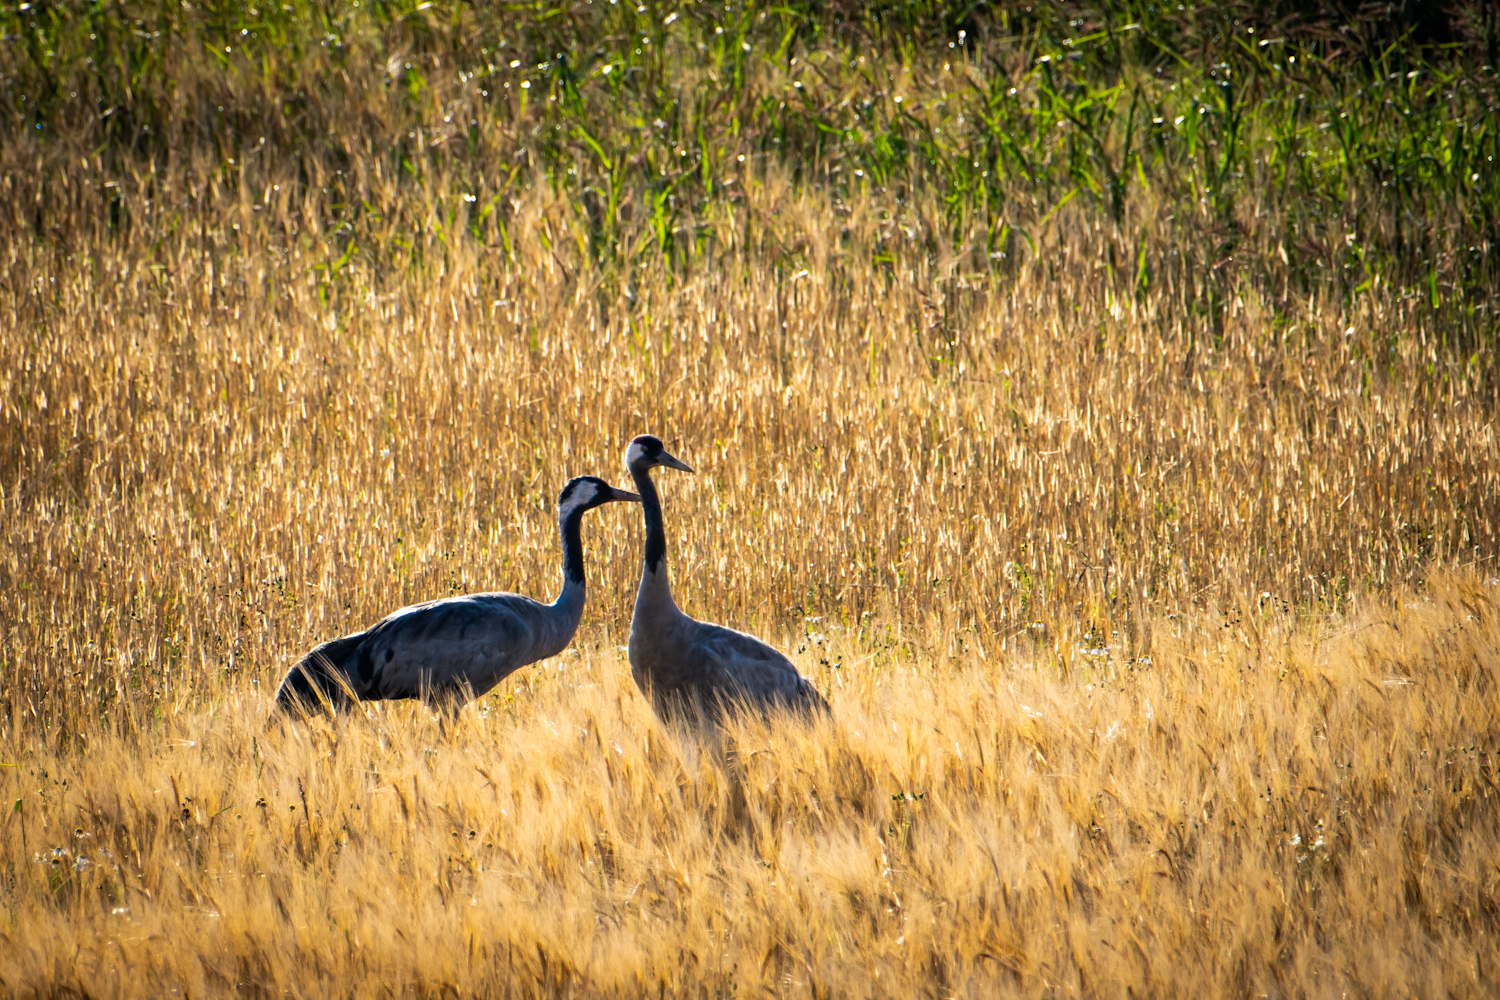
column 744, row 664
column 472, row 642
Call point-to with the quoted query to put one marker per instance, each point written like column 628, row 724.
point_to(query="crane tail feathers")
column 813, row 703
column 315, row 684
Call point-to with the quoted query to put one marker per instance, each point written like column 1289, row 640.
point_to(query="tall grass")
column 1269, row 809
column 1130, row 486
column 208, row 468
column 1223, row 145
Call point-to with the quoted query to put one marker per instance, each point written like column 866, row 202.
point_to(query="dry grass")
column 1267, row 810
column 206, row 469
column 1160, row 636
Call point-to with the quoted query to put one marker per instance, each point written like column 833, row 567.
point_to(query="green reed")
column 1278, row 151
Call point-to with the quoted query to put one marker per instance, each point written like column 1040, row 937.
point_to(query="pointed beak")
column 615, row 494
column 675, row 463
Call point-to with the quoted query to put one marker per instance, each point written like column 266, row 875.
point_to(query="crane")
column 692, row 667
column 457, row 648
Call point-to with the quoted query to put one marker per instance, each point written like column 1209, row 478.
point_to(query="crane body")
column 690, row 667
column 457, row 648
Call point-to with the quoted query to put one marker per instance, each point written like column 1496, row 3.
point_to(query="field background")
column 1096, row 401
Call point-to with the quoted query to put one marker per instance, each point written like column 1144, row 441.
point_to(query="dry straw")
column 1269, row 808
column 1279, row 787
column 209, row 470
column 1155, row 600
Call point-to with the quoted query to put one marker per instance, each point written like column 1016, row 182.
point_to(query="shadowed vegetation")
column 1284, row 149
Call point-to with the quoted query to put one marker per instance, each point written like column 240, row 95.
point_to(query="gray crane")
column 450, row 650
column 691, row 669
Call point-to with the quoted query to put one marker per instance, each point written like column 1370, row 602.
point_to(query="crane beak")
column 675, row 463
column 615, row 494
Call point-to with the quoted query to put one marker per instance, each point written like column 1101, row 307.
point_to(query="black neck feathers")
column 572, row 532
column 656, row 535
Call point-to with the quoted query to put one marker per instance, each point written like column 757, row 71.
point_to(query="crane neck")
column 573, row 588
column 654, row 581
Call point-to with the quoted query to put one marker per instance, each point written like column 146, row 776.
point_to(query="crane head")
column 587, row 492
column 647, row 452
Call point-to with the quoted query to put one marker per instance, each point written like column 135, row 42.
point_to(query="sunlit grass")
column 1299, row 809
column 1132, row 500
column 1071, row 590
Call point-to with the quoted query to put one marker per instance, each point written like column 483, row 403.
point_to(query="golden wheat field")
column 1041, row 777
column 1161, row 642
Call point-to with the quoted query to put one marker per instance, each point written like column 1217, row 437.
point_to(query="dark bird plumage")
column 684, row 665
column 456, row 648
